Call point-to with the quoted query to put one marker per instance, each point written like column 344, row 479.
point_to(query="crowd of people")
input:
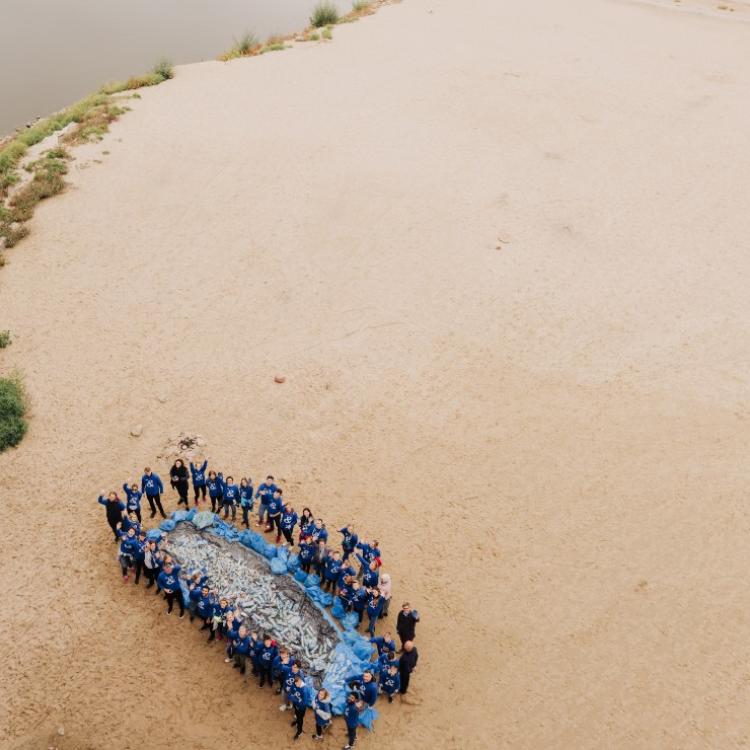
column 364, row 590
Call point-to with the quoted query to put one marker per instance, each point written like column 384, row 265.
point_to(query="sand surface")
column 499, row 251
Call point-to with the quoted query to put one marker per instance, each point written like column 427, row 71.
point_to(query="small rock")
column 137, row 431
column 61, row 731
column 162, row 398
column 279, row 379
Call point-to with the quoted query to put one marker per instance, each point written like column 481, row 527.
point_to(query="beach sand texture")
column 499, row 252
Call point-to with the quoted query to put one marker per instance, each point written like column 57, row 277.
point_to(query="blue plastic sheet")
column 292, row 563
column 300, row 576
column 338, row 610
column 312, row 580
column 350, row 621
column 367, row 717
column 167, row 525
column 278, row 566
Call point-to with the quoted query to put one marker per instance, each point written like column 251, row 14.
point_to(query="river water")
column 54, row 52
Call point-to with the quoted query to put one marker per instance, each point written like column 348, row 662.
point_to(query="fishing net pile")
column 273, row 595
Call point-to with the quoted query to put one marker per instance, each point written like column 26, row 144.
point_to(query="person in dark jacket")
column 115, row 510
column 152, row 487
column 178, row 478
column 406, row 623
column 406, row 665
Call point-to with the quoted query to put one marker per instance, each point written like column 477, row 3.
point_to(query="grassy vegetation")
column 360, row 6
column 5, row 339
column 91, row 118
column 12, row 411
column 274, row 44
column 327, row 33
column 324, row 14
column 247, row 45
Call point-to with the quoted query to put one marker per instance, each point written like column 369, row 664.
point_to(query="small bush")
column 324, row 14
column 327, row 33
column 5, row 339
column 246, row 43
column 164, row 69
column 12, row 410
column 359, row 6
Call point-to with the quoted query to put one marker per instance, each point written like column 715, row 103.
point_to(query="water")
column 54, row 52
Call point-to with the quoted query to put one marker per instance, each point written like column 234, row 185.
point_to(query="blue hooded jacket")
column 246, row 496
column 215, row 486
column 350, row 541
column 288, row 520
column 265, row 492
column 199, row 474
column 151, row 484
column 134, row 497
column 231, row 493
column 169, row 582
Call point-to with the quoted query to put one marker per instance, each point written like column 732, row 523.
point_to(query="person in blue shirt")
column 152, row 487
column 195, row 591
column 133, row 495
column 241, row 646
column 306, row 553
column 246, row 499
column 349, row 542
column 374, row 608
column 331, row 571
column 230, row 497
column 370, row 552
column 384, row 643
column 266, row 655
column 369, row 570
column 198, row 474
column 282, row 669
column 215, row 485
column 169, row 583
column 115, row 510
column 140, row 555
column 323, row 713
column 256, row 646
column 351, row 717
column 205, row 607
column 265, row 493
column 358, row 600
column 318, row 531
column 390, row 682
column 221, row 608
column 129, row 521
column 298, row 699
column 275, row 506
column 369, row 688
column 128, row 552
column 287, row 522
column 231, row 626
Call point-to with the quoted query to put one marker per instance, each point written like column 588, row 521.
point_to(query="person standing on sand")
column 178, row 478
column 115, row 510
column 297, row 698
column 406, row 623
column 351, row 717
column 152, row 487
column 406, row 665
column 215, row 484
column 133, row 495
column 246, row 500
column 384, row 586
column 265, row 493
column 199, row 479
column 230, row 498
column 169, row 583
column 275, row 506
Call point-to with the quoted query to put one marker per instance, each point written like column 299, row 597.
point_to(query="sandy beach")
column 499, row 252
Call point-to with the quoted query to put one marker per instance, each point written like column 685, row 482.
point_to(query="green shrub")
column 327, row 33
column 12, row 410
column 324, row 14
column 163, row 69
column 5, row 339
column 360, row 5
